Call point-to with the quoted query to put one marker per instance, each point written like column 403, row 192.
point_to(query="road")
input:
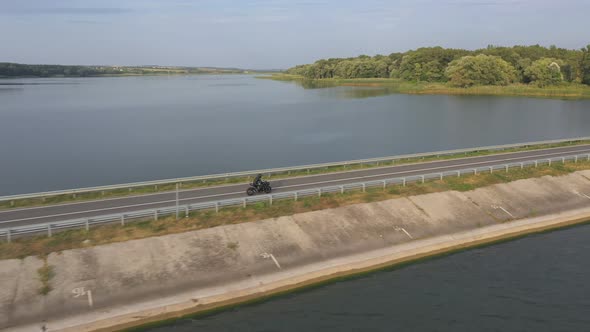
column 44, row 214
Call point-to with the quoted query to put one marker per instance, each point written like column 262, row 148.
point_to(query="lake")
column 60, row 133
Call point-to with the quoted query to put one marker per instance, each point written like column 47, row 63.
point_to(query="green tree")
column 480, row 70
column 585, row 66
column 544, row 72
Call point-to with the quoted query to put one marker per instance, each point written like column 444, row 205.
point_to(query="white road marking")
column 503, row 209
column 81, row 291
column 580, row 194
column 267, row 255
column 299, row 177
column 239, row 192
column 397, row 228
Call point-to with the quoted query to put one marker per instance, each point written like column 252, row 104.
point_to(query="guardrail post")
column 475, row 171
column 576, row 159
column 341, row 189
column 563, row 160
column 588, row 157
column 364, row 187
column 12, row 203
column 74, row 195
column 506, row 166
column 536, row 163
column 87, row 222
column 404, row 182
column 521, row 165
column 186, row 212
column 156, row 188
column 441, row 176
column 122, row 220
column 491, row 169
column 384, row 184
column 270, row 200
column 549, row 161
column 308, row 171
column 8, row 238
column 216, row 207
column 156, row 215
column 422, row 178
column 49, row 233
column 458, row 174
column 320, row 192
column 244, row 203
column 295, row 196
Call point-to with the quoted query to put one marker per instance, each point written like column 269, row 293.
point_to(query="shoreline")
column 344, row 267
column 151, row 281
column 565, row 91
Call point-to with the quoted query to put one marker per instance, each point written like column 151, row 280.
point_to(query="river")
column 60, row 133
column 536, row 283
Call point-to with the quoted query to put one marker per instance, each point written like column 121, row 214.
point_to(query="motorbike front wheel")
column 267, row 189
column 251, row 191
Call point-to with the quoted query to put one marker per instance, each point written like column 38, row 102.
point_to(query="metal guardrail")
column 280, row 170
column 123, row 218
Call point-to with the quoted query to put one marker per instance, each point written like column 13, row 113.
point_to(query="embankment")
column 147, row 280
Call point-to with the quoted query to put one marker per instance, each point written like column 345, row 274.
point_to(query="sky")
column 273, row 34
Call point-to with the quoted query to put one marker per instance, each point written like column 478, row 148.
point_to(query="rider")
column 257, row 181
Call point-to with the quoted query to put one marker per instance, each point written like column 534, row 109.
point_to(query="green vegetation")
column 585, row 65
column 45, row 274
column 58, row 199
column 480, row 70
column 42, row 245
column 22, row 70
column 545, row 72
column 439, row 70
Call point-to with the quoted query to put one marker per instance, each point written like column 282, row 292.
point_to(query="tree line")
column 494, row 65
column 24, row 70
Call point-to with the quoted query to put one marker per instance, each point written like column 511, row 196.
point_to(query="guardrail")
column 122, row 218
column 280, row 170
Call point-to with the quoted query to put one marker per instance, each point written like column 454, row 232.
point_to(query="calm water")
column 538, row 283
column 74, row 132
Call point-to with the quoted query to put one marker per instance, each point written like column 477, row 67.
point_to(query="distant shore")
column 17, row 70
column 565, row 90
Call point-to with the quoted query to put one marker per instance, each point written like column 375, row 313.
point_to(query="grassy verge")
column 565, row 90
column 42, row 245
column 59, row 199
column 45, row 274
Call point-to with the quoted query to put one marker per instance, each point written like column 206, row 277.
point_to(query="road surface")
column 44, row 214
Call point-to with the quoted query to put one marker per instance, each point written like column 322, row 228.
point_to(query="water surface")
column 537, row 283
column 60, row 133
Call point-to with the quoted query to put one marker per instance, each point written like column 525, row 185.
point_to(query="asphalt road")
column 44, row 214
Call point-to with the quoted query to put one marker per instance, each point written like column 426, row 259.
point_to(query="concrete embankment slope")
column 157, row 278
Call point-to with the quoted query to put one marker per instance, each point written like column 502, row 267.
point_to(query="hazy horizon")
column 272, row 34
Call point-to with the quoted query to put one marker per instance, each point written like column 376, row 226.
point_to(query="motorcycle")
column 263, row 187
